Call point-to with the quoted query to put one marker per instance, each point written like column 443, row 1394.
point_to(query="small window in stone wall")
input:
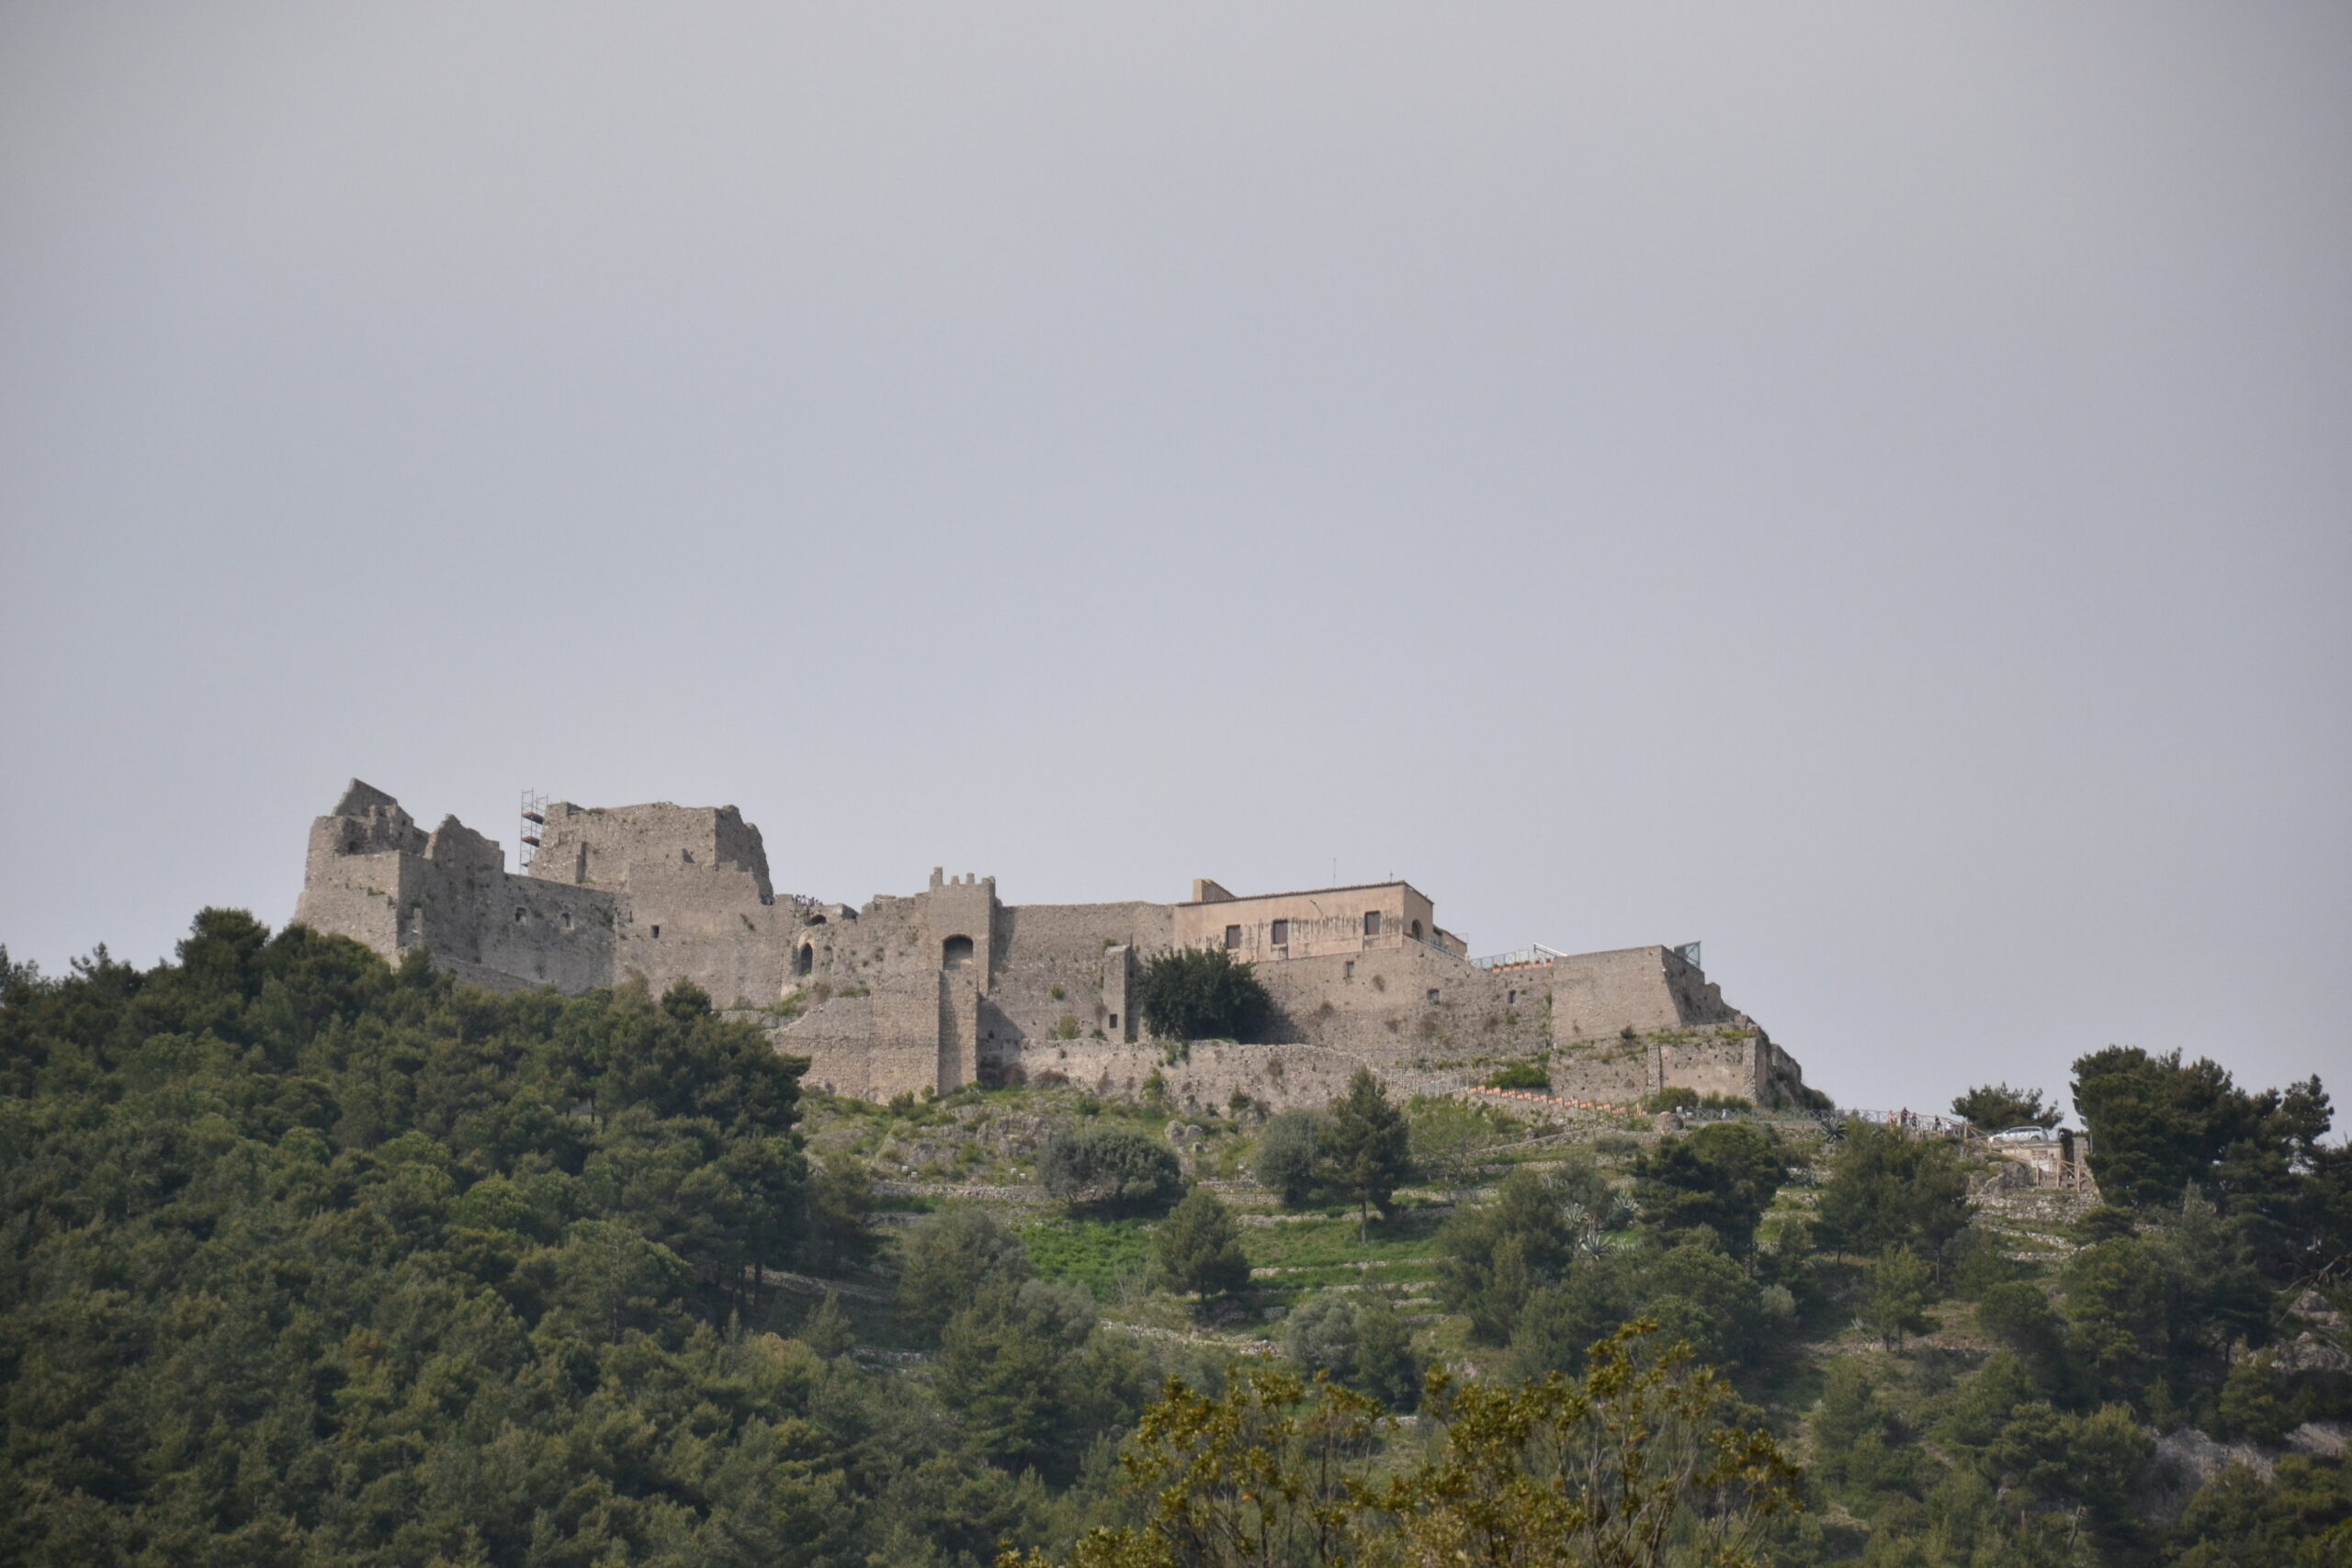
column 1416, row 931
column 1282, row 933
column 657, row 933
column 1510, row 998
column 1115, row 1020
column 1233, row 936
column 1371, row 923
column 1432, row 995
column 1348, row 970
column 518, row 917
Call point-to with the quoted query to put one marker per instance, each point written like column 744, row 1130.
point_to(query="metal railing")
column 1534, row 953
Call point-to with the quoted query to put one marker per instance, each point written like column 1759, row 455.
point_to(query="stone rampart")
column 1280, row 1078
column 950, row 986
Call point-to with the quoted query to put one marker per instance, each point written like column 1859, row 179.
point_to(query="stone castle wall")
column 951, row 985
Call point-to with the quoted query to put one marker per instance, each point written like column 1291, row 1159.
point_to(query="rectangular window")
column 1282, row 933
column 1348, row 970
column 1510, row 998
column 1115, row 1020
column 1233, row 936
column 1371, row 923
column 1432, row 995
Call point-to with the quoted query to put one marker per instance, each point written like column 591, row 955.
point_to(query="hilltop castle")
column 950, row 986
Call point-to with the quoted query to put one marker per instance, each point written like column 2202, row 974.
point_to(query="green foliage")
column 1198, row 1248
column 2153, row 1317
column 2300, row 1520
column 2018, row 1316
column 2256, row 1403
column 1694, row 1293
column 1642, row 1464
column 1888, row 1187
column 314, row 1260
column 1721, row 1177
column 1289, row 1155
column 2158, row 1127
column 1493, row 1256
column 841, row 1213
column 1202, row 993
column 1104, row 1256
column 1387, row 1366
column 1363, row 1153
column 1997, row 1108
column 1860, row 1440
column 1898, row 1298
column 1520, row 1074
column 1359, row 1340
column 1320, row 1335
column 1030, row 1382
column 827, row 1330
column 1108, row 1170
column 945, row 1258
column 1447, row 1140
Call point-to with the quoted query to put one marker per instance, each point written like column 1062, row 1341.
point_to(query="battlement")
column 951, row 985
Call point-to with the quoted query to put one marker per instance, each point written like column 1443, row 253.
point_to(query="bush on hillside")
column 1198, row 1248
column 1285, row 1158
column 1995, row 1108
column 1202, row 993
column 1110, row 1170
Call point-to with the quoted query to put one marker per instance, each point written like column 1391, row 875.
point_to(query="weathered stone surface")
column 950, row 986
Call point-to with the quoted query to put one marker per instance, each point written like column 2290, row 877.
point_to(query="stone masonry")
column 951, row 985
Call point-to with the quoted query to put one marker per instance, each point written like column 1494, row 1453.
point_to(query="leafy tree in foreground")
column 1364, row 1151
column 1110, row 1170
column 1995, row 1108
column 1198, row 1247
column 1202, row 993
column 1638, row 1464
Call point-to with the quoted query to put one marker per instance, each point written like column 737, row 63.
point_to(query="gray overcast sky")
column 1868, row 487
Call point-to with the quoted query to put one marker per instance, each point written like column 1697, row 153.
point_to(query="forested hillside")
column 312, row 1260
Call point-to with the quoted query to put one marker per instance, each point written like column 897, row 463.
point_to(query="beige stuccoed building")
column 949, row 984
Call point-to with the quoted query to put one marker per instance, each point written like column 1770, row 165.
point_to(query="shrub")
column 1449, row 1140
column 1110, row 1170
column 945, row 1257
column 1492, row 1257
column 1995, row 1107
column 1721, row 1177
column 1889, row 1189
column 1287, row 1154
column 1364, row 1151
column 1899, row 1299
column 1199, row 1248
column 1202, row 993
column 1520, row 1074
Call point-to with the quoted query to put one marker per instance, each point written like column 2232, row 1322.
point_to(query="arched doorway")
column 954, row 953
